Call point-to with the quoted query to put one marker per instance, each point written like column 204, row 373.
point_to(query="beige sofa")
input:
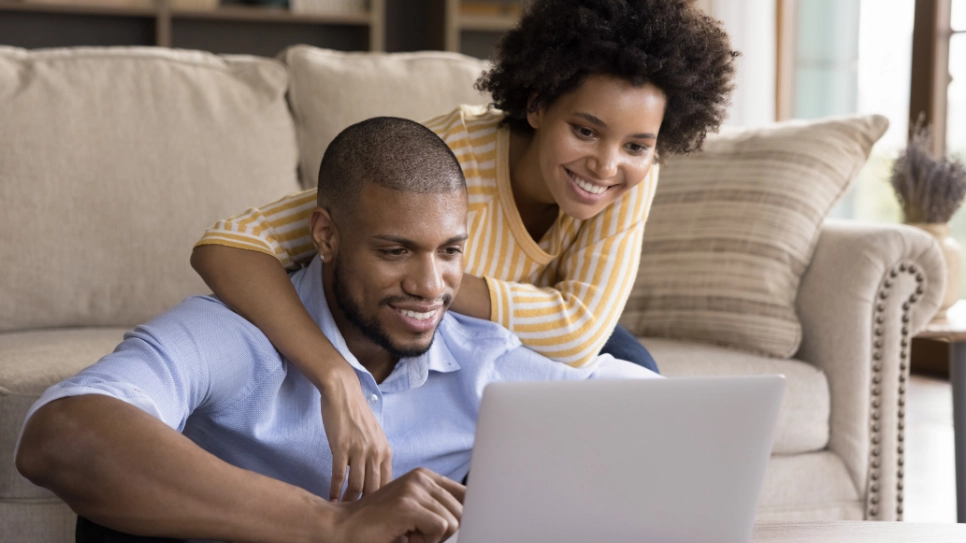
column 112, row 162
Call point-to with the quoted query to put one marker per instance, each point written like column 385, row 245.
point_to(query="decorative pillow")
column 733, row 228
column 113, row 161
column 331, row 90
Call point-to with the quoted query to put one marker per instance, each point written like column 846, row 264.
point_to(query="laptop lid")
column 635, row 460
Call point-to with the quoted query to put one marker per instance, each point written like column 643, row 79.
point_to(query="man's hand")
column 356, row 440
column 421, row 505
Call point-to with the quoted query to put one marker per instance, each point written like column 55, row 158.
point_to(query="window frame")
column 930, row 78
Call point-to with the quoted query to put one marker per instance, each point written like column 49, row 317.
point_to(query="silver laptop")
column 620, row 461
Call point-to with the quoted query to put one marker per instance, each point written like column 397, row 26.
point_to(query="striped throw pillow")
column 733, row 228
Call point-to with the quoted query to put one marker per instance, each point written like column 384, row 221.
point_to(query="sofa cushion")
column 30, row 362
column 48, row 521
column 812, row 487
column 733, row 228
column 112, row 164
column 331, row 90
column 803, row 422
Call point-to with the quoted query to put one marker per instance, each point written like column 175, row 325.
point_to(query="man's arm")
column 123, row 468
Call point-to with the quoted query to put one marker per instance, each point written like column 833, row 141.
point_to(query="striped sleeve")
column 570, row 321
column 280, row 229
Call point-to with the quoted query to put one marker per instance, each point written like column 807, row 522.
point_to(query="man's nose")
column 425, row 278
column 604, row 162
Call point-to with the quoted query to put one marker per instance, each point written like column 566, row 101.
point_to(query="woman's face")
column 596, row 143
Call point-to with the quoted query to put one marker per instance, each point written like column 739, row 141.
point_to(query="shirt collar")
column 408, row 373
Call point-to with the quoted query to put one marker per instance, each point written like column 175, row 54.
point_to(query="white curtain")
column 751, row 25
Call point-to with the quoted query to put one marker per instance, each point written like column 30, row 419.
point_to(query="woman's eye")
column 636, row 149
column 583, row 132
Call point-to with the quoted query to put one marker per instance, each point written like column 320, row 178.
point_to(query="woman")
column 587, row 95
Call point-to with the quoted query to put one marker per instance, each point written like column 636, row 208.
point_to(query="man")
column 195, row 427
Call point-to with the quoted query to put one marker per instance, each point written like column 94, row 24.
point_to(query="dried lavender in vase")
column 929, row 189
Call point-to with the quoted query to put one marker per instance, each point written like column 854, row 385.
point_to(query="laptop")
column 669, row 460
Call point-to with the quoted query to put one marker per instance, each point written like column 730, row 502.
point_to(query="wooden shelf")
column 223, row 13
column 79, row 9
column 171, row 25
column 277, row 15
column 488, row 23
column 474, row 33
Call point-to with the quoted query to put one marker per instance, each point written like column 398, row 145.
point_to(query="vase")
column 951, row 255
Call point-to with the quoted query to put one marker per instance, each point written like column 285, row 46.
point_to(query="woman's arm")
column 242, row 259
column 473, row 298
column 255, row 286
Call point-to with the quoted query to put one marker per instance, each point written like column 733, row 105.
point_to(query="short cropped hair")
column 670, row 44
column 394, row 153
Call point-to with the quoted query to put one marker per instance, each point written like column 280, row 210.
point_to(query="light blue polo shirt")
column 207, row 372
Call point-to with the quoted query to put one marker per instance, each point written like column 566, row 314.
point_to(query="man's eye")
column 454, row 251
column 393, row 252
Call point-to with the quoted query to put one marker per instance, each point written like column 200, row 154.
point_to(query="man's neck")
column 377, row 360
column 371, row 356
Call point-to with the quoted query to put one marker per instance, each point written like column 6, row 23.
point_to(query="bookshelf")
column 474, row 27
column 229, row 28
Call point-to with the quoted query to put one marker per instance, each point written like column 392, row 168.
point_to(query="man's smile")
column 418, row 318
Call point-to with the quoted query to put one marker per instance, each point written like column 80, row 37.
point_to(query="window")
column 852, row 56
column 956, row 95
column 856, row 56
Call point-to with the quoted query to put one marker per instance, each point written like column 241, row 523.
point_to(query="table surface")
column 858, row 532
column 950, row 328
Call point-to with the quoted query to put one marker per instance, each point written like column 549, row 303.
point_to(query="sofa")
column 113, row 161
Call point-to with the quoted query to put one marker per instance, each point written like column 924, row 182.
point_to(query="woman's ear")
column 534, row 112
column 325, row 234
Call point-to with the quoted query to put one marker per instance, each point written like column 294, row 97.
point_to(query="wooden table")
column 858, row 532
column 952, row 329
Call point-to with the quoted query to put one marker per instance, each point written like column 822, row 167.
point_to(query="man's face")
column 397, row 264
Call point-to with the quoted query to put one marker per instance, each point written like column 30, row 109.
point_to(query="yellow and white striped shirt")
column 562, row 295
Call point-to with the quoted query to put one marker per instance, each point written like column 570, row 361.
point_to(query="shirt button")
column 373, row 399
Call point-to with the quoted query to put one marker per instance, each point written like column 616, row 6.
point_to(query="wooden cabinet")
column 475, row 27
column 229, row 28
column 472, row 27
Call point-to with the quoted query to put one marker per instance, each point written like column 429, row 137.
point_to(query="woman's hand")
column 356, row 440
column 256, row 286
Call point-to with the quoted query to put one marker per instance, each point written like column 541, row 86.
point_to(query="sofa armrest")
column 868, row 290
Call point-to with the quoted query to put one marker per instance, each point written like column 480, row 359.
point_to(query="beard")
column 370, row 325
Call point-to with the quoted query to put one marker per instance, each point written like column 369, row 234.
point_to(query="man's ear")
column 324, row 233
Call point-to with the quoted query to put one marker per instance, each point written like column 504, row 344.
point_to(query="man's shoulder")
column 194, row 308
column 200, row 323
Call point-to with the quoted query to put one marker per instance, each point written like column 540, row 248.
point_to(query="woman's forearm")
column 122, row 468
column 256, row 287
column 473, row 298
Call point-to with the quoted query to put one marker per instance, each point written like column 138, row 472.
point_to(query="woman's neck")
column 536, row 205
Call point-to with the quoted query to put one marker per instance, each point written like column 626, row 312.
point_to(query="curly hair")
column 670, row 44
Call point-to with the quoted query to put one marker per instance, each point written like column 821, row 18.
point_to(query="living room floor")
column 930, row 478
